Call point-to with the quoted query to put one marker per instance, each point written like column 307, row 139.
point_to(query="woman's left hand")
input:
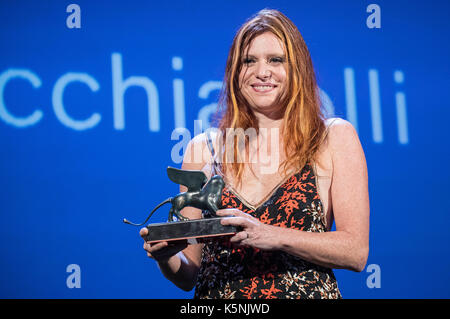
column 254, row 233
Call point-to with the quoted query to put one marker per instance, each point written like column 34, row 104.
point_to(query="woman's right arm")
column 178, row 261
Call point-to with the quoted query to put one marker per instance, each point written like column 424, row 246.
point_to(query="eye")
column 248, row 61
column 276, row 60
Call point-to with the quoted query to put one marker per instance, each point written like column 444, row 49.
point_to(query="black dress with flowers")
column 230, row 271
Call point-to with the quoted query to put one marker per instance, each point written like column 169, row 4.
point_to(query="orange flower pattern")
column 230, row 271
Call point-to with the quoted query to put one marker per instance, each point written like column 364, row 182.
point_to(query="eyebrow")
column 270, row 55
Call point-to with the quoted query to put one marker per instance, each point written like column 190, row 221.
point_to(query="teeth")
column 264, row 87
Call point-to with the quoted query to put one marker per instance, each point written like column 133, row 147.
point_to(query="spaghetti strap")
column 211, row 150
column 209, row 142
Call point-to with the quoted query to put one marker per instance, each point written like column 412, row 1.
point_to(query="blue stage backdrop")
column 90, row 95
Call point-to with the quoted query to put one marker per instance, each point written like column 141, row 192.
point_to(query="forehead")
column 265, row 43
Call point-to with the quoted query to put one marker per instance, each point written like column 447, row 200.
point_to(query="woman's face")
column 263, row 76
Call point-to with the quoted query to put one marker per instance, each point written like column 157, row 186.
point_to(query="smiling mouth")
column 262, row 88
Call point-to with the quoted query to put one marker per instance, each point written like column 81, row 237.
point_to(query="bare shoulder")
column 342, row 135
column 197, row 154
column 341, row 142
column 347, row 154
column 323, row 157
column 339, row 123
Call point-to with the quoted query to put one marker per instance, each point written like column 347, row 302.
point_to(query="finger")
column 228, row 212
column 234, row 221
column 152, row 247
column 155, row 251
column 164, row 249
column 239, row 237
column 143, row 232
column 147, row 249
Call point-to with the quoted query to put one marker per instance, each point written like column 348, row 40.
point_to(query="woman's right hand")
column 162, row 251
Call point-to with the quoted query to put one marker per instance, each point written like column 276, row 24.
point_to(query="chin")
column 259, row 103
column 263, row 105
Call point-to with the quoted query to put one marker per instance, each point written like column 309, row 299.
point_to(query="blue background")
column 64, row 192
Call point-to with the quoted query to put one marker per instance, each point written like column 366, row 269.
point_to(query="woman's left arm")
column 346, row 247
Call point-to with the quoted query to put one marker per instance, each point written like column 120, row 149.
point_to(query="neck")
column 268, row 123
column 269, row 120
column 269, row 143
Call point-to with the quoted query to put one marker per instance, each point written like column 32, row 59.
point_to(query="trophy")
column 202, row 194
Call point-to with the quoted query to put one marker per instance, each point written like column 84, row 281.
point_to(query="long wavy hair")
column 303, row 119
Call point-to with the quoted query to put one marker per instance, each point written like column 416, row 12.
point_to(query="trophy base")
column 194, row 230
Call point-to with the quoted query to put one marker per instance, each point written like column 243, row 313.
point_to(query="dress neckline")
column 265, row 198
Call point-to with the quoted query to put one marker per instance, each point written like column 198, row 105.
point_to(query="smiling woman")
column 268, row 50
column 286, row 248
column 262, row 79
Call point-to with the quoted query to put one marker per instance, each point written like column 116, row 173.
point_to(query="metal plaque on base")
column 198, row 229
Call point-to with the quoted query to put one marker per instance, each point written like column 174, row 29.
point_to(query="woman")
column 285, row 248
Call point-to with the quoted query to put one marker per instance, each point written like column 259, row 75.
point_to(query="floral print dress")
column 231, row 271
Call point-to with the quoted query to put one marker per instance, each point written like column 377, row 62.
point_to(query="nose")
column 263, row 71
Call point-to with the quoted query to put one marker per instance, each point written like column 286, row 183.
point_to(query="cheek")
column 281, row 76
column 243, row 79
column 243, row 84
